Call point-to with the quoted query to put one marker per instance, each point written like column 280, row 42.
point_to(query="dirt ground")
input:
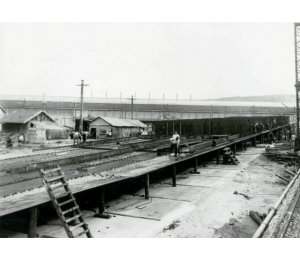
column 221, row 213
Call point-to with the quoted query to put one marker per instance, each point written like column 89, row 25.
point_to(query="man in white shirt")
column 293, row 139
column 175, row 141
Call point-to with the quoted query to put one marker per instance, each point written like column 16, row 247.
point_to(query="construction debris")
column 171, row 226
column 257, row 217
column 283, row 178
column 245, row 195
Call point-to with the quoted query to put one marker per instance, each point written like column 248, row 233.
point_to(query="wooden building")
column 35, row 126
column 102, row 127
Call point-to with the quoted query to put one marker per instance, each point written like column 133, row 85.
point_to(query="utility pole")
column 297, row 72
column 43, row 103
column 123, row 110
column 81, row 106
column 132, row 106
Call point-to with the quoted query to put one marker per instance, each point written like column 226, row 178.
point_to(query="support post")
column 102, row 206
column 254, row 141
column 245, row 145
column 147, row 183
column 102, row 202
column 234, row 149
column 174, row 175
column 268, row 137
column 32, row 222
column 195, row 166
column 218, row 156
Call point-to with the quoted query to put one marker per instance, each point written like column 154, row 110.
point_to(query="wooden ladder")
column 228, row 154
column 64, row 202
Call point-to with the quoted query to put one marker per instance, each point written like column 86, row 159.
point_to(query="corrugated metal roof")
column 119, row 122
column 22, row 117
column 138, row 123
column 48, row 125
column 3, row 109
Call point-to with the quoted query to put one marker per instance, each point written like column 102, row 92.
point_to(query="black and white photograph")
column 160, row 128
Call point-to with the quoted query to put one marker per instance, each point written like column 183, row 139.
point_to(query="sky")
column 201, row 60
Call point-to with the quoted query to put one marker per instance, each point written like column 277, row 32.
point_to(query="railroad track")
column 19, row 181
column 11, row 164
column 290, row 225
column 46, row 152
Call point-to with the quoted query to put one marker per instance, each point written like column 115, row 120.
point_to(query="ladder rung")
column 58, row 186
column 61, row 195
column 52, row 170
column 70, row 219
column 79, row 225
column 54, row 179
column 81, row 233
column 65, row 202
column 69, row 210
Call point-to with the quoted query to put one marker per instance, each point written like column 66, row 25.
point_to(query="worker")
column 9, row 142
column 284, row 133
column 84, row 136
column 77, row 137
column 293, row 138
column 175, row 141
column 21, row 139
column 256, row 128
column 288, row 133
column 261, row 127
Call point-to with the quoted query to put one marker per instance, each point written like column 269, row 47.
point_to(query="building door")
column 93, row 133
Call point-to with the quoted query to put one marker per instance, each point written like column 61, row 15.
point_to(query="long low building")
column 101, row 127
column 67, row 113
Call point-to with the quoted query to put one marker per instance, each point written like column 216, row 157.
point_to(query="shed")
column 36, row 126
column 115, row 127
column 2, row 113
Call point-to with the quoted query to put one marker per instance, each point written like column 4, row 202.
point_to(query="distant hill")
column 269, row 98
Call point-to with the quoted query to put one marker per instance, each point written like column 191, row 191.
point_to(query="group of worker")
column 78, row 136
column 258, row 127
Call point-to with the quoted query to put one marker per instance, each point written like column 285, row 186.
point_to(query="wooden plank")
column 70, row 219
column 77, row 226
column 82, row 233
column 66, row 202
column 51, row 171
column 69, row 210
column 58, row 196
column 54, row 179
column 290, row 173
column 58, row 186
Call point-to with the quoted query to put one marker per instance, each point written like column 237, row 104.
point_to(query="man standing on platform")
column 175, row 141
